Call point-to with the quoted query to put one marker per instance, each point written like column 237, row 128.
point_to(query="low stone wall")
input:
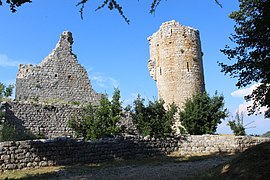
column 49, row 120
column 205, row 144
column 62, row 151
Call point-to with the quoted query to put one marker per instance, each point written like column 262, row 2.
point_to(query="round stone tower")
column 176, row 62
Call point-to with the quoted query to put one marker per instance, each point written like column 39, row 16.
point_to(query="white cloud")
column 245, row 91
column 5, row 61
column 244, row 106
column 103, row 81
column 241, row 92
column 99, row 80
column 258, row 123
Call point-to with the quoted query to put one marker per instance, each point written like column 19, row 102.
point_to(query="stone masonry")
column 61, row 151
column 176, row 62
column 58, row 77
column 50, row 120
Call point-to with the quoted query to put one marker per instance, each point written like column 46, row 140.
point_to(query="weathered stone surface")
column 61, row 151
column 176, row 62
column 59, row 77
column 51, row 120
column 48, row 120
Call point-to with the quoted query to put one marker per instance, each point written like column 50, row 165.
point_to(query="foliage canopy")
column 5, row 91
column 101, row 121
column 201, row 114
column 252, row 51
column 154, row 119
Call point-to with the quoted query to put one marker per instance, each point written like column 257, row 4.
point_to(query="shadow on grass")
column 110, row 170
column 254, row 163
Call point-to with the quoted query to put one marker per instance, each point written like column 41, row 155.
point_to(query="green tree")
column 116, row 111
column 202, row 114
column 5, row 91
column 237, row 125
column 153, row 119
column 138, row 114
column 251, row 51
column 101, row 121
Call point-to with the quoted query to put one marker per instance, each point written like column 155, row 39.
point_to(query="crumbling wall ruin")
column 58, row 77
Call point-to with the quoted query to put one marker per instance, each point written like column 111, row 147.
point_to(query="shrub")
column 5, row 91
column 202, row 114
column 100, row 121
column 237, row 125
column 153, row 119
column 10, row 132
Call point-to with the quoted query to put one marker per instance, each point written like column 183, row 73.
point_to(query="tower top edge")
column 172, row 24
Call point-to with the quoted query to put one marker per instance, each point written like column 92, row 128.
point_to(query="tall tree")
column 251, row 51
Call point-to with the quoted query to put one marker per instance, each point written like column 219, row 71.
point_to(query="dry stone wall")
column 40, row 153
column 59, row 77
column 65, row 151
column 176, row 62
column 205, row 144
column 49, row 120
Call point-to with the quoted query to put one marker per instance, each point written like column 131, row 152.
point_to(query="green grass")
column 28, row 173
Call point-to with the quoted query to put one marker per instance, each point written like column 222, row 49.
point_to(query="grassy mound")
column 254, row 163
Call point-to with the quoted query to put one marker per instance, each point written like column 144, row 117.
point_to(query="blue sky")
column 115, row 53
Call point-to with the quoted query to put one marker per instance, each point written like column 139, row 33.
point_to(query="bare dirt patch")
column 143, row 169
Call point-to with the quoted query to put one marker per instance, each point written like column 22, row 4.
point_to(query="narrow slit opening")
column 187, row 67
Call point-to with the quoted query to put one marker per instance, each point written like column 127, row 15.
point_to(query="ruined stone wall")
column 65, row 151
column 58, row 77
column 176, row 62
column 48, row 120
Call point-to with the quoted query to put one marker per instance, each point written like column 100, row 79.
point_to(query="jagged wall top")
column 58, row 77
column 64, row 46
